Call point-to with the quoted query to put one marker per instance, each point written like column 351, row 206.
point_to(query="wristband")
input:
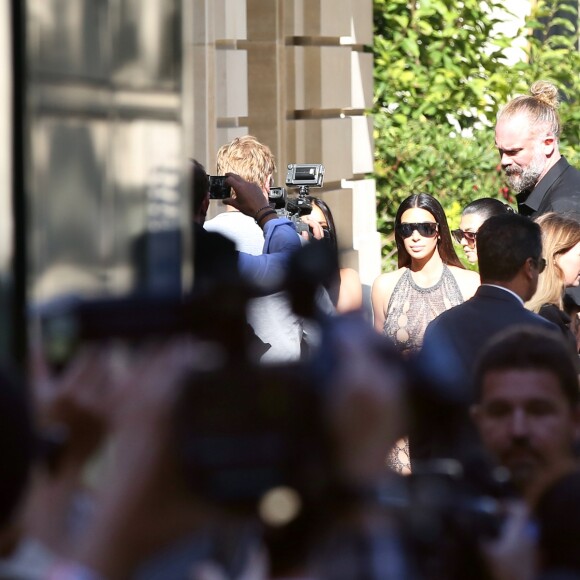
column 264, row 215
column 260, row 211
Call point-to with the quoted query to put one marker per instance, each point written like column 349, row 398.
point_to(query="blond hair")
column 559, row 234
column 247, row 157
column 540, row 106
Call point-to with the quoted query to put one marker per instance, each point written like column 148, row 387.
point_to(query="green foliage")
column 552, row 54
column 440, row 77
column 434, row 58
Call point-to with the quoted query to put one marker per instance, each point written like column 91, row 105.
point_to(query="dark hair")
column 323, row 207
column 486, row 207
column 199, row 185
column 530, row 348
column 430, row 204
column 504, row 243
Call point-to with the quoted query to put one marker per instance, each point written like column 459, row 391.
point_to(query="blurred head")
column 199, row 191
column 473, row 215
column 366, row 392
column 432, row 233
column 527, row 404
column 526, row 136
column 249, row 159
column 506, row 244
column 561, row 248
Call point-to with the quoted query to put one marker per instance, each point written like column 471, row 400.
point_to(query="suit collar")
column 498, row 292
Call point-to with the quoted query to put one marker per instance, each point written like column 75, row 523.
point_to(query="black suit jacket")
column 558, row 190
column 466, row 328
column 452, row 344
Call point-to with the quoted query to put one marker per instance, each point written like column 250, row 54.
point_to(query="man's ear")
column 549, row 144
column 268, row 183
column 204, row 205
column 529, row 268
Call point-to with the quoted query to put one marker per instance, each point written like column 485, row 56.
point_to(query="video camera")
column 446, row 509
column 241, row 429
column 303, row 177
column 245, row 433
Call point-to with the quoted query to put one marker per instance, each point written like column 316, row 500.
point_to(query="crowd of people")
column 285, row 435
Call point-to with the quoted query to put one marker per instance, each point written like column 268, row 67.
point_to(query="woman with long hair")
column 561, row 249
column 430, row 279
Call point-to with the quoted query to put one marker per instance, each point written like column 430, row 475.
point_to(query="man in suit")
column 509, row 248
column 527, row 137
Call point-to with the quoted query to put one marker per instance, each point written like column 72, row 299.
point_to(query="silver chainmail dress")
column 411, row 308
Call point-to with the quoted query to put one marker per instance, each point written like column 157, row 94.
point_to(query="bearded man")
column 526, row 135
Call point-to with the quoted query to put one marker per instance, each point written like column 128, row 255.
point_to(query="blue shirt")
column 268, row 270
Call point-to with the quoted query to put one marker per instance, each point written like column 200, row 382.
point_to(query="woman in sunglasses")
column 430, row 280
column 561, row 248
column 473, row 215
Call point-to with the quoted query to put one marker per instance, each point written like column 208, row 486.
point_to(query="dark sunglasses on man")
column 540, row 264
column 470, row 237
column 425, row 229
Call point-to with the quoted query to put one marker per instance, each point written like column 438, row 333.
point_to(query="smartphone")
column 218, row 188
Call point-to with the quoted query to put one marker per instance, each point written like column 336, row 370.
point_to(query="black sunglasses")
column 540, row 264
column 425, row 229
column 458, row 235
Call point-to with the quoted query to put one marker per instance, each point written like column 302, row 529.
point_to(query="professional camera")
column 303, row 177
column 249, row 438
column 446, row 510
column 246, row 429
column 248, row 432
column 69, row 321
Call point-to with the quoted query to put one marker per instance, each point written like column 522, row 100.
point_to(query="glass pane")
column 69, row 37
column 68, row 182
column 146, row 40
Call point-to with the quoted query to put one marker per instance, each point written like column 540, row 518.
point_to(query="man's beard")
column 524, row 180
column 523, row 462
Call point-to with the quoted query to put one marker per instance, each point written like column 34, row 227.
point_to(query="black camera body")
column 447, row 509
column 302, row 176
column 278, row 197
column 218, row 188
column 288, row 208
column 70, row 321
column 238, row 435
